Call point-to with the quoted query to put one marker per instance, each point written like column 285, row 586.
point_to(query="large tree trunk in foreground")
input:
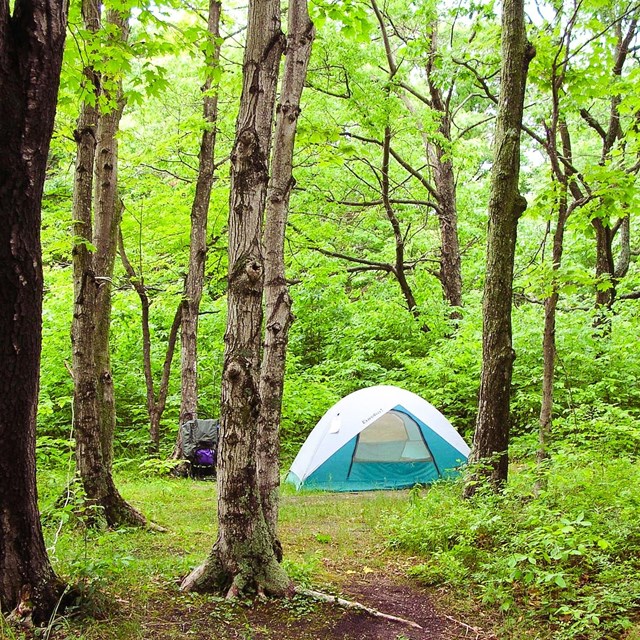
column 31, row 43
column 93, row 260
column 243, row 558
column 277, row 300
column 506, row 205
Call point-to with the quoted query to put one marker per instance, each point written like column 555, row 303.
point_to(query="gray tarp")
column 199, row 434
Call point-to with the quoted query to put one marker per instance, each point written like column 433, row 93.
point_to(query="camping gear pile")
column 200, row 446
column 381, row 437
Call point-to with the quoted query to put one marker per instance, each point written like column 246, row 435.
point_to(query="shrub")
column 567, row 557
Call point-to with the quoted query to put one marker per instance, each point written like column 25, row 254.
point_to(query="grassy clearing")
column 129, row 578
column 564, row 564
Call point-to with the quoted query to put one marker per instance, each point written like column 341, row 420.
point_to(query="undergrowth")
column 565, row 558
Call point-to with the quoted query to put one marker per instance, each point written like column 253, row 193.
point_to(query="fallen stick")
column 349, row 604
column 479, row 633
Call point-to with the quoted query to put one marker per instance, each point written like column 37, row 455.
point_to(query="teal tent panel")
column 332, row 474
column 391, row 475
column 341, row 473
column 446, row 456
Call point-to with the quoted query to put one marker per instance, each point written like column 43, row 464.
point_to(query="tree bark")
column 605, row 267
column 549, row 333
column 243, row 559
column 277, row 300
column 198, row 246
column 506, row 205
column 155, row 406
column 445, row 186
column 399, row 266
column 31, row 45
column 93, row 260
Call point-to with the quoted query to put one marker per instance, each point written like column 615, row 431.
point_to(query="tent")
column 380, row 437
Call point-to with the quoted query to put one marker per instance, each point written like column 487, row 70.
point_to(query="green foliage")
column 565, row 556
column 303, row 571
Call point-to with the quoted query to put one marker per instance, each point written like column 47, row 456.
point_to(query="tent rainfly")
column 380, row 437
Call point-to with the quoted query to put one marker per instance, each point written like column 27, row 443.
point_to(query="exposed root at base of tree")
column 256, row 574
column 357, row 606
column 191, row 581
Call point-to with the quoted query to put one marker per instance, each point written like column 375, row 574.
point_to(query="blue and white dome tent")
column 380, row 437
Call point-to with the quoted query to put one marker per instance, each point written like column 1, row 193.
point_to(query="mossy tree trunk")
column 506, row 205
column 279, row 317
column 31, row 43
column 95, row 192
column 243, row 559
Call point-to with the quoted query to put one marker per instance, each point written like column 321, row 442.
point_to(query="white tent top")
column 349, row 416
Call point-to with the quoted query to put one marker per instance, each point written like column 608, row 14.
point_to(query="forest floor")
column 303, row 619
column 333, row 543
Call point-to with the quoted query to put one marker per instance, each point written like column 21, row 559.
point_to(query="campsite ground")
column 333, row 543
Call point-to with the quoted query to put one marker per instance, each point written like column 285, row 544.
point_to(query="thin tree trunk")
column 605, row 272
column 277, row 300
column 93, row 258
column 506, row 205
column 31, row 45
column 398, row 267
column 107, row 216
column 155, row 407
column 198, row 247
column 243, row 558
column 444, row 189
column 624, row 256
column 605, row 264
column 445, row 186
column 549, row 334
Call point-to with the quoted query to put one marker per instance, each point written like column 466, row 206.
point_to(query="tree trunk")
column 605, row 264
column 398, row 266
column 93, row 260
column 243, row 559
column 506, row 205
column 277, row 301
column 155, row 407
column 31, row 44
column 198, row 247
column 549, row 334
column 107, row 216
column 444, row 190
column 605, row 272
column 445, row 186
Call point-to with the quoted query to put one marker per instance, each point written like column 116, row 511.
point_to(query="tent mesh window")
column 394, row 437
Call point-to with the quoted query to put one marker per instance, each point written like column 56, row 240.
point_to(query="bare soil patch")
column 207, row 618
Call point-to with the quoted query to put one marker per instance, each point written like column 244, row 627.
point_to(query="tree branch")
column 349, row 604
column 594, row 124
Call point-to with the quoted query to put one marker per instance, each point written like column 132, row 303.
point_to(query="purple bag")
column 204, row 457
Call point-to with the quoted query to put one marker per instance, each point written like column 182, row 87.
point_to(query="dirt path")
column 206, row 618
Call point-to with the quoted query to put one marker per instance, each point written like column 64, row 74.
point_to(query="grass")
column 130, row 578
